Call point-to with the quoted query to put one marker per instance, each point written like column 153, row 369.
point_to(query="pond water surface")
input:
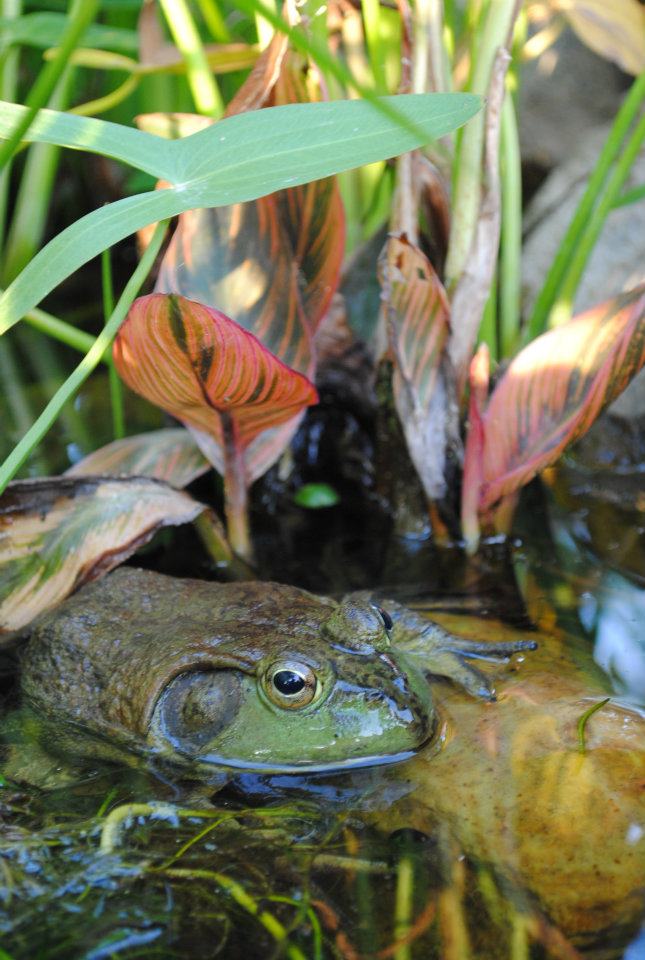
column 518, row 832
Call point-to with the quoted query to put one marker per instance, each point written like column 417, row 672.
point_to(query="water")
column 511, row 841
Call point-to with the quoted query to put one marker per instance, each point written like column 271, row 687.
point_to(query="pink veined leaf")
column 473, row 454
column 418, row 325
column 555, row 388
column 201, row 367
column 171, row 455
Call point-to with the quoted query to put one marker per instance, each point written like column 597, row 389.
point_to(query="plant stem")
column 236, row 506
column 116, row 387
column 60, row 330
column 202, row 84
column 562, row 308
column 8, row 87
column 79, row 19
column 91, row 360
column 553, row 282
column 468, row 181
column 510, row 265
column 34, row 193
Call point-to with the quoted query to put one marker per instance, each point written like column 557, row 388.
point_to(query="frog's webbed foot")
column 446, row 654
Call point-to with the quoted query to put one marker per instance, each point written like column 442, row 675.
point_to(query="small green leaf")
column 316, row 496
column 582, row 722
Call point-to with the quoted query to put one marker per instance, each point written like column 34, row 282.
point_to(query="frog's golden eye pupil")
column 288, row 682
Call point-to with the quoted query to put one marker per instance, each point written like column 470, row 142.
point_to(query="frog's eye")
column 385, row 617
column 290, row 684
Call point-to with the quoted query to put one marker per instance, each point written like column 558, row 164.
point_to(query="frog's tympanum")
column 254, row 675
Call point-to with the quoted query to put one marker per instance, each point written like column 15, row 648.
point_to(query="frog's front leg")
column 440, row 652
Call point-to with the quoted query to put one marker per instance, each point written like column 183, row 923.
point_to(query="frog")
column 201, row 676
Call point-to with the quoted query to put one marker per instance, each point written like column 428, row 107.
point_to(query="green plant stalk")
column 214, row 20
column 373, row 36
column 584, row 719
column 83, row 14
column 244, row 900
column 468, row 160
column 553, row 282
column 630, row 196
column 13, row 392
column 48, row 370
column 91, row 360
column 110, row 100
column 59, row 330
column 563, row 306
column 116, row 387
column 430, row 60
column 263, row 27
column 34, row 193
column 510, row 263
column 203, row 87
column 8, row 88
column 488, row 332
column 403, row 906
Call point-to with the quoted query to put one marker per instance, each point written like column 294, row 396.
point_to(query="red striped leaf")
column 418, row 325
column 555, row 388
column 474, row 452
column 204, row 369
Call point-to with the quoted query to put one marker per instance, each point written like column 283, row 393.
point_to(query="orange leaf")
column 200, row 366
column 555, row 388
column 418, row 325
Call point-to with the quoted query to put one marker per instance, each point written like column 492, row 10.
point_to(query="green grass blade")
column 241, row 158
column 200, row 79
column 80, row 17
column 548, row 294
column 91, row 360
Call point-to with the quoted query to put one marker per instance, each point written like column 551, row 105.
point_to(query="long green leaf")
column 240, row 158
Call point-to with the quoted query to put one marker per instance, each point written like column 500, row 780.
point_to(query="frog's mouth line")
column 351, row 763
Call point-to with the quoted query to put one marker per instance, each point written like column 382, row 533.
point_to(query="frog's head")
column 331, row 695
column 256, row 676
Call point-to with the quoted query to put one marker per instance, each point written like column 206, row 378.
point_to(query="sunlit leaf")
column 555, row 388
column 170, row 455
column 418, row 324
column 615, row 30
column 58, row 533
column 204, row 369
column 239, row 158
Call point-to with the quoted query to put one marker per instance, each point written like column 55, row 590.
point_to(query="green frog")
column 203, row 676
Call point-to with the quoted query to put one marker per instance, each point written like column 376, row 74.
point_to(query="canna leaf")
column 58, row 533
column 170, row 455
column 418, row 325
column 555, row 388
column 200, row 366
column 239, row 158
column 274, row 263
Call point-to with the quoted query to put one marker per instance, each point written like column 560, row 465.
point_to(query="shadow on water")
column 519, row 833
